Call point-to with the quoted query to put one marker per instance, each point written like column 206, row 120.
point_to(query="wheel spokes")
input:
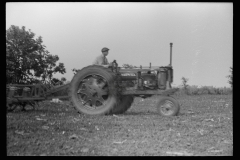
column 86, row 90
column 92, row 90
column 167, row 107
column 100, row 99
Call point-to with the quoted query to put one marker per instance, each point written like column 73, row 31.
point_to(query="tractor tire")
column 168, row 106
column 92, row 90
column 124, row 103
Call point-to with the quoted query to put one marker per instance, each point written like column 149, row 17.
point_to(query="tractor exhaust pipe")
column 171, row 54
column 170, row 71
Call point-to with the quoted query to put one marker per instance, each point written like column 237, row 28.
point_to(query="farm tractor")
column 99, row 90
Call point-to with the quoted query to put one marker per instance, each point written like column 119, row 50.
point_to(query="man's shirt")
column 101, row 60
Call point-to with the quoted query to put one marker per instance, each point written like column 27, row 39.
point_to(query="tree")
column 230, row 77
column 75, row 71
column 63, row 79
column 56, row 81
column 27, row 60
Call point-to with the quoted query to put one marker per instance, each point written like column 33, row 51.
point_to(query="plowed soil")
column 204, row 127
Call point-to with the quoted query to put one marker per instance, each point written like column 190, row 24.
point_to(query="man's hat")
column 105, row 49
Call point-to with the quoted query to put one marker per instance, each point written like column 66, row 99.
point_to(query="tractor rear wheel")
column 92, row 90
column 168, row 106
column 124, row 103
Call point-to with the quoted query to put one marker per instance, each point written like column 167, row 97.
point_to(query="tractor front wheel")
column 168, row 106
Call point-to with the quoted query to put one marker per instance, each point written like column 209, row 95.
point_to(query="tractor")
column 99, row 90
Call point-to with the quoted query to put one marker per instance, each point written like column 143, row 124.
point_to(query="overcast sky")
column 135, row 33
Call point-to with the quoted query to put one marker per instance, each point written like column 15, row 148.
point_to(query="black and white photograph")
column 119, row 78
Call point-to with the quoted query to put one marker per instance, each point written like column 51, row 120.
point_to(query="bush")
column 204, row 90
column 192, row 90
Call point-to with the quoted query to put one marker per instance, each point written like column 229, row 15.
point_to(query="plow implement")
column 19, row 94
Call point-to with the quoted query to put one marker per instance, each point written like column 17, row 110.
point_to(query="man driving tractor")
column 102, row 59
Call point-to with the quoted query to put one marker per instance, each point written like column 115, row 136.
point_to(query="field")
column 204, row 127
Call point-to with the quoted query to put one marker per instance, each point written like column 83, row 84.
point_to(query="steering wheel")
column 114, row 66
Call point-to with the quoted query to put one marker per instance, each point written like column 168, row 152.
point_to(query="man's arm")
column 107, row 65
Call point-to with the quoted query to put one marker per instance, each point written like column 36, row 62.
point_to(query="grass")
column 203, row 128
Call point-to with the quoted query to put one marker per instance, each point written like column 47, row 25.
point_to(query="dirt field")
column 204, row 127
